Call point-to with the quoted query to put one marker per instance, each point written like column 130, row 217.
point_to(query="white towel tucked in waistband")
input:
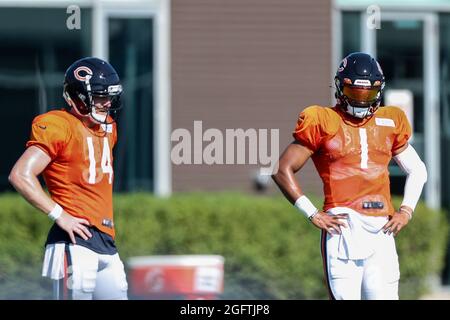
column 358, row 239
column 53, row 266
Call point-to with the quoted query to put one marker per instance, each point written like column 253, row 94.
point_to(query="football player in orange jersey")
column 73, row 151
column 351, row 145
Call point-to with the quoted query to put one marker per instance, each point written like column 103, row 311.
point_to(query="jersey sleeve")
column 310, row 130
column 402, row 132
column 49, row 133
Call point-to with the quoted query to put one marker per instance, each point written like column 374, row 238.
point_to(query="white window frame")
column 159, row 10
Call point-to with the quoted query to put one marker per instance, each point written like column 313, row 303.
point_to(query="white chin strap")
column 98, row 117
column 357, row 112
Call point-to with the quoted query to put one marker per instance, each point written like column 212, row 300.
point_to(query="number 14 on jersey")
column 105, row 163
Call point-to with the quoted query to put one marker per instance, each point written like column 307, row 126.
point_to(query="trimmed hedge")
column 270, row 251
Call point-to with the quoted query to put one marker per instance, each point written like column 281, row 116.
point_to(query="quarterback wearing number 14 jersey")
column 80, row 174
column 72, row 149
column 352, row 157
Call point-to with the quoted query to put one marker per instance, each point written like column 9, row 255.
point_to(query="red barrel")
column 176, row 277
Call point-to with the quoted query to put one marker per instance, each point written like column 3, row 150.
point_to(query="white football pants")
column 373, row 278
column 79, row 273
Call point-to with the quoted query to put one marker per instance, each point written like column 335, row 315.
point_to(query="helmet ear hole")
column 69, row 99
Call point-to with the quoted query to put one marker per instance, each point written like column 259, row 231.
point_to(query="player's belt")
column 108, row 223
column 373, row 205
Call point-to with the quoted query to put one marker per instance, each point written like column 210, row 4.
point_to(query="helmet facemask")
column 359, row 85
column 105, row 115
column 85, row 105
column 360, row 100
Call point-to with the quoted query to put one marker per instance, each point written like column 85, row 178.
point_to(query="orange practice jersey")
column 80, row 175
column 352, row 157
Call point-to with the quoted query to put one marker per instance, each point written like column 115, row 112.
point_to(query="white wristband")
column 406, row 211
column 56, row 212
column 306, row 206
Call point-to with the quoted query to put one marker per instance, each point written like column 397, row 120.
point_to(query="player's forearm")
column 29, row 187
column 413, row 188
column 410, row 162
column 285, row 180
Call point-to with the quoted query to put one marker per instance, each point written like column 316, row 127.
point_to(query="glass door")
column 406, row 45
column 399, row 47
column 135, row 38
column 131, row 53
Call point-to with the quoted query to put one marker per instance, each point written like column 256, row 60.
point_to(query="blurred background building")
column 231, row 64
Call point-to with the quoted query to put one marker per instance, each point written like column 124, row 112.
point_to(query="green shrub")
column 421, row 247
column 270, row 251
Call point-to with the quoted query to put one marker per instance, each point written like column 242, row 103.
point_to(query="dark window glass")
column 36, row 48
column 131, row 53
column 351, row 32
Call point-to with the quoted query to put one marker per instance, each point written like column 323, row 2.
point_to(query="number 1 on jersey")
column 105, row 162
column 364, row 148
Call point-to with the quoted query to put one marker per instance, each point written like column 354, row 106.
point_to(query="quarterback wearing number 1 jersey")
column 72, row 149
column 352, row 157
column 351, row 145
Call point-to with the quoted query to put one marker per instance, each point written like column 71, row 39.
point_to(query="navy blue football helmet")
column 88, row 78
column 359, row 84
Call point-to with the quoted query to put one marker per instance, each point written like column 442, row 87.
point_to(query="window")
column 351, row 32
column 444, row 20
column 35, row 51
column 131, row 53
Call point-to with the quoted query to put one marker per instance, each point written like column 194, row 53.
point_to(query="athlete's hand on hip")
column 396, row 223
column 72, row 225
column 328, row 222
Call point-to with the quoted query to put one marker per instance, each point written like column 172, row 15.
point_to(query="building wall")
column 247, row 64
